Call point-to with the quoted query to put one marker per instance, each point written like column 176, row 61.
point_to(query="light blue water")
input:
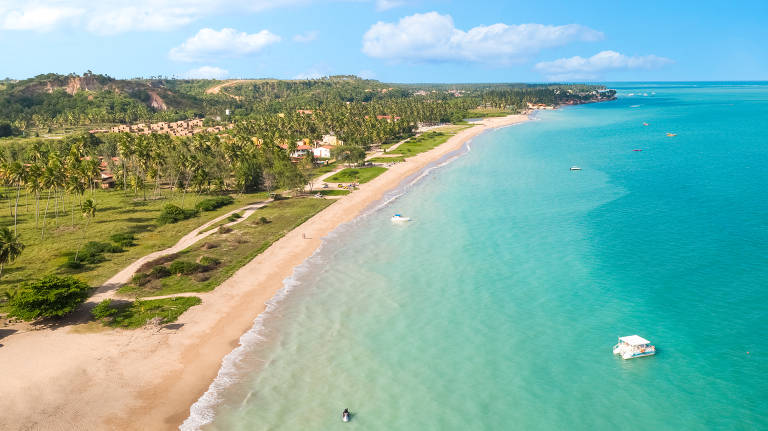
column 498, row 306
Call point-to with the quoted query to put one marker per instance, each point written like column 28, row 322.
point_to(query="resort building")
column 322, row 152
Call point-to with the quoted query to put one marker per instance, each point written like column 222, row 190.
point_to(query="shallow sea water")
column 498, row 305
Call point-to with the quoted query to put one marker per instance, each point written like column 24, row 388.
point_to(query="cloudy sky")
column 389, row 40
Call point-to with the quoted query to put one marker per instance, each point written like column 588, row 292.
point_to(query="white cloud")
column 574, row 68
column 116, row 16
column 434, row 37
column 305, row 37
column 382, row 5
column 207, row 72
column 227, row 42
column 37, row 18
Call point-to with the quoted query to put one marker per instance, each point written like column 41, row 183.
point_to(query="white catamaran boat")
column 575, row 168
column 397, row 218
column 633, row 346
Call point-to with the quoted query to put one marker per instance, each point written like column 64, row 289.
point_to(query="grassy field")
column 489, row 112
column 224, row 252
column 426, row 141
column 116, row 213
column 333, row 192
column 394, row 159
column 360, row 175
column 135, row 314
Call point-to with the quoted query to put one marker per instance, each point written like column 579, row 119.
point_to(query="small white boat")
column 345, row 416
column 575, row 168
column 633, row 346
column 397, row 218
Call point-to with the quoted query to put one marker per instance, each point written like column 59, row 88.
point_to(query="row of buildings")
column 176, row 128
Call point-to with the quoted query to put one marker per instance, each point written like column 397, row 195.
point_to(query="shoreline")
column 144, row 379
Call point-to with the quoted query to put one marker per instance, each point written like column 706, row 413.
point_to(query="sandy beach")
column 85, row 377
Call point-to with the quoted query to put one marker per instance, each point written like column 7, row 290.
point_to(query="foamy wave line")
column 202, row 412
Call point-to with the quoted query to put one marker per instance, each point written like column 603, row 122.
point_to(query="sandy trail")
column 108, row 289
column 216, row 89
column 84, row 377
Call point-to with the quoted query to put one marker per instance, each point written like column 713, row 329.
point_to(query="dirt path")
column 216, row 89
column 109, row 288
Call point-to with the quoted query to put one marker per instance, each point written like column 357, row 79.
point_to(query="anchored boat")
column 397, row 218
column 575, row 168
column 633, row 346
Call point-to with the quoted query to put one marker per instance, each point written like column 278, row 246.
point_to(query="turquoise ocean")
column 497, row 307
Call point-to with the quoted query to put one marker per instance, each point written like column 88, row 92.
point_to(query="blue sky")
column 389, row 40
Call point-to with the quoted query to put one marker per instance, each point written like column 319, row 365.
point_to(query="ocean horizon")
column 497, row 306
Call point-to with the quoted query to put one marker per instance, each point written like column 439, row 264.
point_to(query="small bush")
column 185, row 268
column 225, row 229
column 103, row 310
column 234, row 217
column 262, row 220
column 51, row 296
column 209, row 245
column 159, row 272
column 211, row 204
column 173, row 214
column 208, row 261
column 93, row 248
column 140, row 279
column 123, row 239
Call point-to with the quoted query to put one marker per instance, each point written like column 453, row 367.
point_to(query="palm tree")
column 89, row 212
column 10, row 247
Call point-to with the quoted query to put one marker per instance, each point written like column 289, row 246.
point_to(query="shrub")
column 159, row 272
column 217, row 202
column 103, row 310
column 225, row 229
column 94, row 248
column 140, row 279
column 123, row 239
column 51, row 296
column 262, row 220
column 173, row 214
column 184, row 267
column 234, row 217
column 208, row 261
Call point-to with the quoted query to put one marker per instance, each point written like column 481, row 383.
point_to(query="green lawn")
column 333, row 192
column 360, row 175
column 234, row 249
column 427, row 141
column 116, row 213
column 394, row 159
column 488, row 112
column 135, row 314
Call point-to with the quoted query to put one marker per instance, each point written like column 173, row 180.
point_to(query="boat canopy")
column 634, row 340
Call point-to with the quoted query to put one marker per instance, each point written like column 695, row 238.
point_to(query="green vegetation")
column 395, row 159
column 103, row 310
column 333, row 192
column 488, row 112
column 421, row 143
column 205, row 266
column 135, row 314
column 211, row 204
column 173, row 214
column 359, row 175
column 51, row 296
column 127, row 222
